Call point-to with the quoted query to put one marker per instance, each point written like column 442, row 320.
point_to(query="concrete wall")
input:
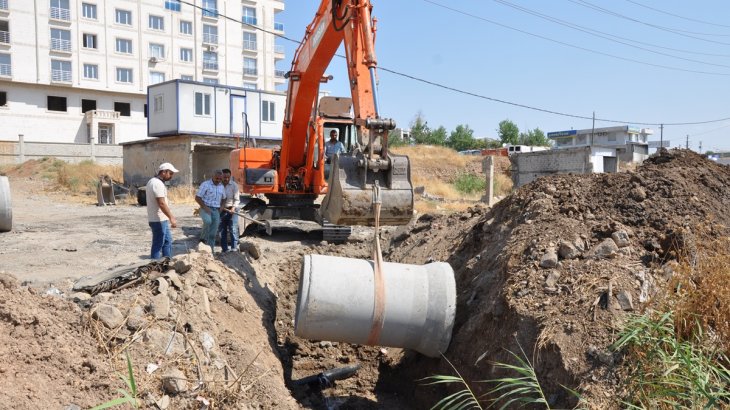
column 527, row 167
column 16, row 152
column 141, row 160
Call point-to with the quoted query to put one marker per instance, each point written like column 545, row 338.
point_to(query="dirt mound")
column 194, row 336
column 555, row 268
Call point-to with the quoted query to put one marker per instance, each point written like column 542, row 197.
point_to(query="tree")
column 420, row 132
column 462, row 138
column 437, row 136
column 535, row 137
column 395, row 139
column 508, row 132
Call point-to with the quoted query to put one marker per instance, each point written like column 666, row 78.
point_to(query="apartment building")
column 78, row 70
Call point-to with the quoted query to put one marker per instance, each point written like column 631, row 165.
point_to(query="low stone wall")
column 528, row 166
column 17, row 152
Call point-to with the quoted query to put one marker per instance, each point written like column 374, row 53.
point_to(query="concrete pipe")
column 414, row 308
column 6, row 208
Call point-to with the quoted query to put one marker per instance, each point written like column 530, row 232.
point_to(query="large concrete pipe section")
column 6, row 207
column 339, row 300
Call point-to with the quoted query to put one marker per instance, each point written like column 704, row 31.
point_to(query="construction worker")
column 332, row 147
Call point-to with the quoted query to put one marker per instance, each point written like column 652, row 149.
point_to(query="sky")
column 478, row 62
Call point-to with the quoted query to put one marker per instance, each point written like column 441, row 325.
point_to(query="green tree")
column 508, row 132
column 395, row 139
column 420, row 133
column 534, row 137
column 462, row 138
column 437, row 136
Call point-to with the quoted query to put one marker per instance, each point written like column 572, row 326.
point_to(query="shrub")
column 470, row 183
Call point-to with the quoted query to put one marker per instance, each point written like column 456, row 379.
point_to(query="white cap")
column 167, row 167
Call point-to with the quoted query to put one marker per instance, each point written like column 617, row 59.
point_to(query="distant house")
column 623, row 142
column 518, row 149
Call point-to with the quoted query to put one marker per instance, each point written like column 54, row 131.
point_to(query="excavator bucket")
column 349, row 200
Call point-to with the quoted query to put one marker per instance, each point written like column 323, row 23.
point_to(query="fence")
column 17, row 152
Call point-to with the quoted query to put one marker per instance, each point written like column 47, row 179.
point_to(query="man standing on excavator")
column 332, row 147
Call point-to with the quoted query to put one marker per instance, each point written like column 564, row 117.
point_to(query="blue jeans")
column 211, row 221
column 229, row 226
column 161, row 240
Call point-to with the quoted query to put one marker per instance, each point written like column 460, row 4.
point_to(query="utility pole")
column 700, row 147
column 686, row 144
column 593, row 130
column 661, row 136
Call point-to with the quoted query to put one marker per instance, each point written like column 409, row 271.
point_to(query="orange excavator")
column 292, row 178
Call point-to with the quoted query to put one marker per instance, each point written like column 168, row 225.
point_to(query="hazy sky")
column 632, row 61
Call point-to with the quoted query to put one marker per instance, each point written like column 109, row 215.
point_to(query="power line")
column 668, row 29
column 600, row 34
column 677, row 15
column 575, row 46
column 381, row 68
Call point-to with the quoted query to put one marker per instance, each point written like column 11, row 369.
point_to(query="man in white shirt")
column 159, row 215
column 211, row 197
column 229, row 220
column 332, row 147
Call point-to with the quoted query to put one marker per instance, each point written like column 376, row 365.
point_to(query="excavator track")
column 335, row 233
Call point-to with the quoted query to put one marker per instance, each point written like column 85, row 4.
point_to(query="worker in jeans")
column 211, row 197
column 229, row 219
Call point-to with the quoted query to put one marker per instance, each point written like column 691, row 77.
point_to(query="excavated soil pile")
column 196, row 337
column 555, row 268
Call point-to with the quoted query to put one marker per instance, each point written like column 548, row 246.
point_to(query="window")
column 250, row 86
column 249, row 15
column 186, row 27
column 173, row 5
column 186, row 77
column 88, row 11
column 210, row 34
column 202, row 104
column 186, row 54
column 5, row 69
column 60, row 40
column 124, row 17
column 157, row 50
column 210, row 60
column 91, row 71
column 249, row 41
column 89, row 41
column 61, row 71
column 157, row 23
column 210, row 80
column 56, row 103
column 124, row 75
column 3, row 98
column 124, row 46
column 123, row 109
column 210, row 8
column 159, row 103
column 156, row 77
column 60, row 10
column 249, row 66
column 4, row 31
column 268, row 111
column 88, row 105
column 145, row 110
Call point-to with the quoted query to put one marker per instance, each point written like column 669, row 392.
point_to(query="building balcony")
column 251, row 21
column 278, row 26
column 5, row 37
column 105, row 115
column 279, row 49
column 210, row 65
column 279, row 73
column 251, row 72
column 4, row 5
column 5, row 70
column 58, row 13
column 210, row 13
column 61, row 76
column 209, row 38
column 250, row 45
column 60, row 45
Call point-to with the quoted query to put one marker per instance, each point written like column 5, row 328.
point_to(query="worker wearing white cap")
column 159, row 214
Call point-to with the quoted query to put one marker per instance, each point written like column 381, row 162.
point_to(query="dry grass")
column 703, row 289
column 181, row 195
column 432, row 157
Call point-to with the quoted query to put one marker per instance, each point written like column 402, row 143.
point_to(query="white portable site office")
column 182, row 107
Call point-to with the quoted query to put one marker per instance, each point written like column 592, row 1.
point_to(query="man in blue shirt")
column 211, row 196
column 332, row 147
